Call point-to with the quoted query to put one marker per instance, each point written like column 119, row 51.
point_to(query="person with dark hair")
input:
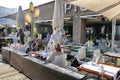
column 21, row 35
column 57, row 57
column 2, row 34
column 37, row 45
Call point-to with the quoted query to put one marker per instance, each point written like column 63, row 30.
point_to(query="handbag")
column 73, row 61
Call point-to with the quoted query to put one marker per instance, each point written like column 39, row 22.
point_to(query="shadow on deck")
column 9, row 73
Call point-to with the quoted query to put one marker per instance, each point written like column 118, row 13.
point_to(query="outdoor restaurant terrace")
column 57, row 56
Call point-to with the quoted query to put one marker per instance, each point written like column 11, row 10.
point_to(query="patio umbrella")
column 20, row 19
column 108, row 8
column 58, row 16
column 7, row 21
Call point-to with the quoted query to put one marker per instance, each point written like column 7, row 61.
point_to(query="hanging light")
column 31, row 7
column 28, row 18
column 37, row 13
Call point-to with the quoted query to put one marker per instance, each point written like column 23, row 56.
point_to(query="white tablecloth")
column 113, row 54
column 109, row 70
column 46, row 54
column 66, row 71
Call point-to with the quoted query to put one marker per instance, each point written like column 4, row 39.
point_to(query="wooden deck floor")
column 9, row 73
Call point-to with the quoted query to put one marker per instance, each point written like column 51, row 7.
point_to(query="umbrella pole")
column 31, row 29
column 32, row 25
column 113, row 33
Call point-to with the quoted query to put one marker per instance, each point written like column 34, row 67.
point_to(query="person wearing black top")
column 21, row 35
column 37, row 45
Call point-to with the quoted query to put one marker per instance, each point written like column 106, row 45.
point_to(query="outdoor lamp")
column 37, row 13
column 28, row 18
column 31, row 7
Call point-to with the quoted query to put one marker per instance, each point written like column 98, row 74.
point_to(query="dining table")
column 43, row 54
column 101, row 70
column 114, row 55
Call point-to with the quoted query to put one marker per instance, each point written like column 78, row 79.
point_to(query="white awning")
column 108, row 8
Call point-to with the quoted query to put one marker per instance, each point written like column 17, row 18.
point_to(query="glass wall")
column 117, row 32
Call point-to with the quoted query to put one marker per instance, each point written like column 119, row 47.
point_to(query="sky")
column 23, row 3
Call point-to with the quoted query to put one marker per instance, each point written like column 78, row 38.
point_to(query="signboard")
column 73, row 7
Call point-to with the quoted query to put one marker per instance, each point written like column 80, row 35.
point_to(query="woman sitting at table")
column 57, row 57
column 37, row 45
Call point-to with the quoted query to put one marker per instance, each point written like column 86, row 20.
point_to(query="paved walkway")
column 9, row 73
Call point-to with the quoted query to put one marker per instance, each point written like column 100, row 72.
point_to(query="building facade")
column 80, row 23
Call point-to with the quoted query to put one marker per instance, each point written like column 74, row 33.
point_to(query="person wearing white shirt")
column 15, row 37
column 27, row 34
column 54, row 38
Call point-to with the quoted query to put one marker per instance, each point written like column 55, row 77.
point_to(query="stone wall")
column 79, row 32
column 76, row 29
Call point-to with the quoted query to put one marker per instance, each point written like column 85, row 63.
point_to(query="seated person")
column 64, row 39
column 37, row 45
column 36, row 48
column 57, row 53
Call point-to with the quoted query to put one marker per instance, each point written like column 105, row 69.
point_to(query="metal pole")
column 32, row 24
column 31, row 29
column 113, row 33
